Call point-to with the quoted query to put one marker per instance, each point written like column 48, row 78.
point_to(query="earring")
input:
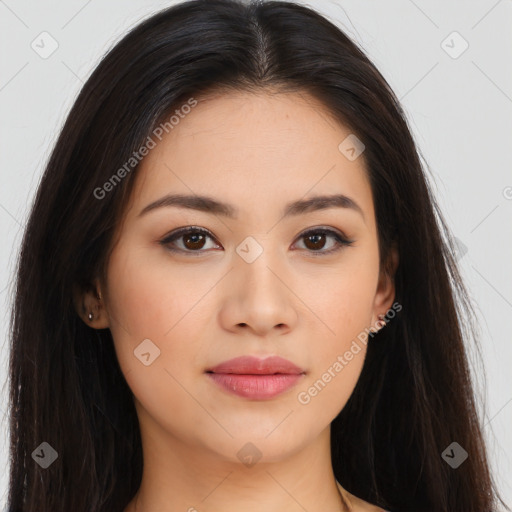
column 91, row 316
column 381, row 318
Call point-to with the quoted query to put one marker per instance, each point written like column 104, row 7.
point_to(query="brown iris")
column 197, row 241
column 312, row 241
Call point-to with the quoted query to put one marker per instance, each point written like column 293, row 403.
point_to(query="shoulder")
column 357, row 504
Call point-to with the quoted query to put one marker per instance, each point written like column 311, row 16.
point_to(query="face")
column 189, row 287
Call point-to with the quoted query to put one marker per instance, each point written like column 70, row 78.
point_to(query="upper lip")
column 249, row 365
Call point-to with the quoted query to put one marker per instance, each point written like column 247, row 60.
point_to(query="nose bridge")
column 257, row 290
column 257, row 264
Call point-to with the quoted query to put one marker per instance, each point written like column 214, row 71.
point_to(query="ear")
column 385, row 294
column 90, row 300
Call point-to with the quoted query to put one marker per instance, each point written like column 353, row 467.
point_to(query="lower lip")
column 256, row 387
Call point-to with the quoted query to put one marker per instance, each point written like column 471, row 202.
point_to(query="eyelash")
column 175, row 235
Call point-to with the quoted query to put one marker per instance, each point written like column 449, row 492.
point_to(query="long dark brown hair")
column 414, row 396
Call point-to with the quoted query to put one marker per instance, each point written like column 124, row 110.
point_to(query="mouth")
column 256, row 379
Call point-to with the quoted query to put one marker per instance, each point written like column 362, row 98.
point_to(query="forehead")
column 252, row 150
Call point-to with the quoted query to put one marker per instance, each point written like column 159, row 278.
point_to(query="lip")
column 250, row 365
column 254, row 378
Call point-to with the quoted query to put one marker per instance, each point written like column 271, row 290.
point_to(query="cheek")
column 337, row 357
column 342, row 304
column 151, row 301
column 343, row 308
column 155, row 320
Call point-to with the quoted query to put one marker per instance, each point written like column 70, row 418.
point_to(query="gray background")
column 459, row 105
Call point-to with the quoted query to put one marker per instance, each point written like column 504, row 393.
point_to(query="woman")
column 235, row 286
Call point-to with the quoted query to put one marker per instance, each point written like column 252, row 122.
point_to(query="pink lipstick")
column 256, row 379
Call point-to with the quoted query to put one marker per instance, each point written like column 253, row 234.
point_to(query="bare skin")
column 207, row 304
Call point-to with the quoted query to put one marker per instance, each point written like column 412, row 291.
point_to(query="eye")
column 193, row 240
column 315, row 240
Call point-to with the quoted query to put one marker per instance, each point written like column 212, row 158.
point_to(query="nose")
column 258, row 299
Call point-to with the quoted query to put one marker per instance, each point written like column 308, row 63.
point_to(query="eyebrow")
column 211, row 205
